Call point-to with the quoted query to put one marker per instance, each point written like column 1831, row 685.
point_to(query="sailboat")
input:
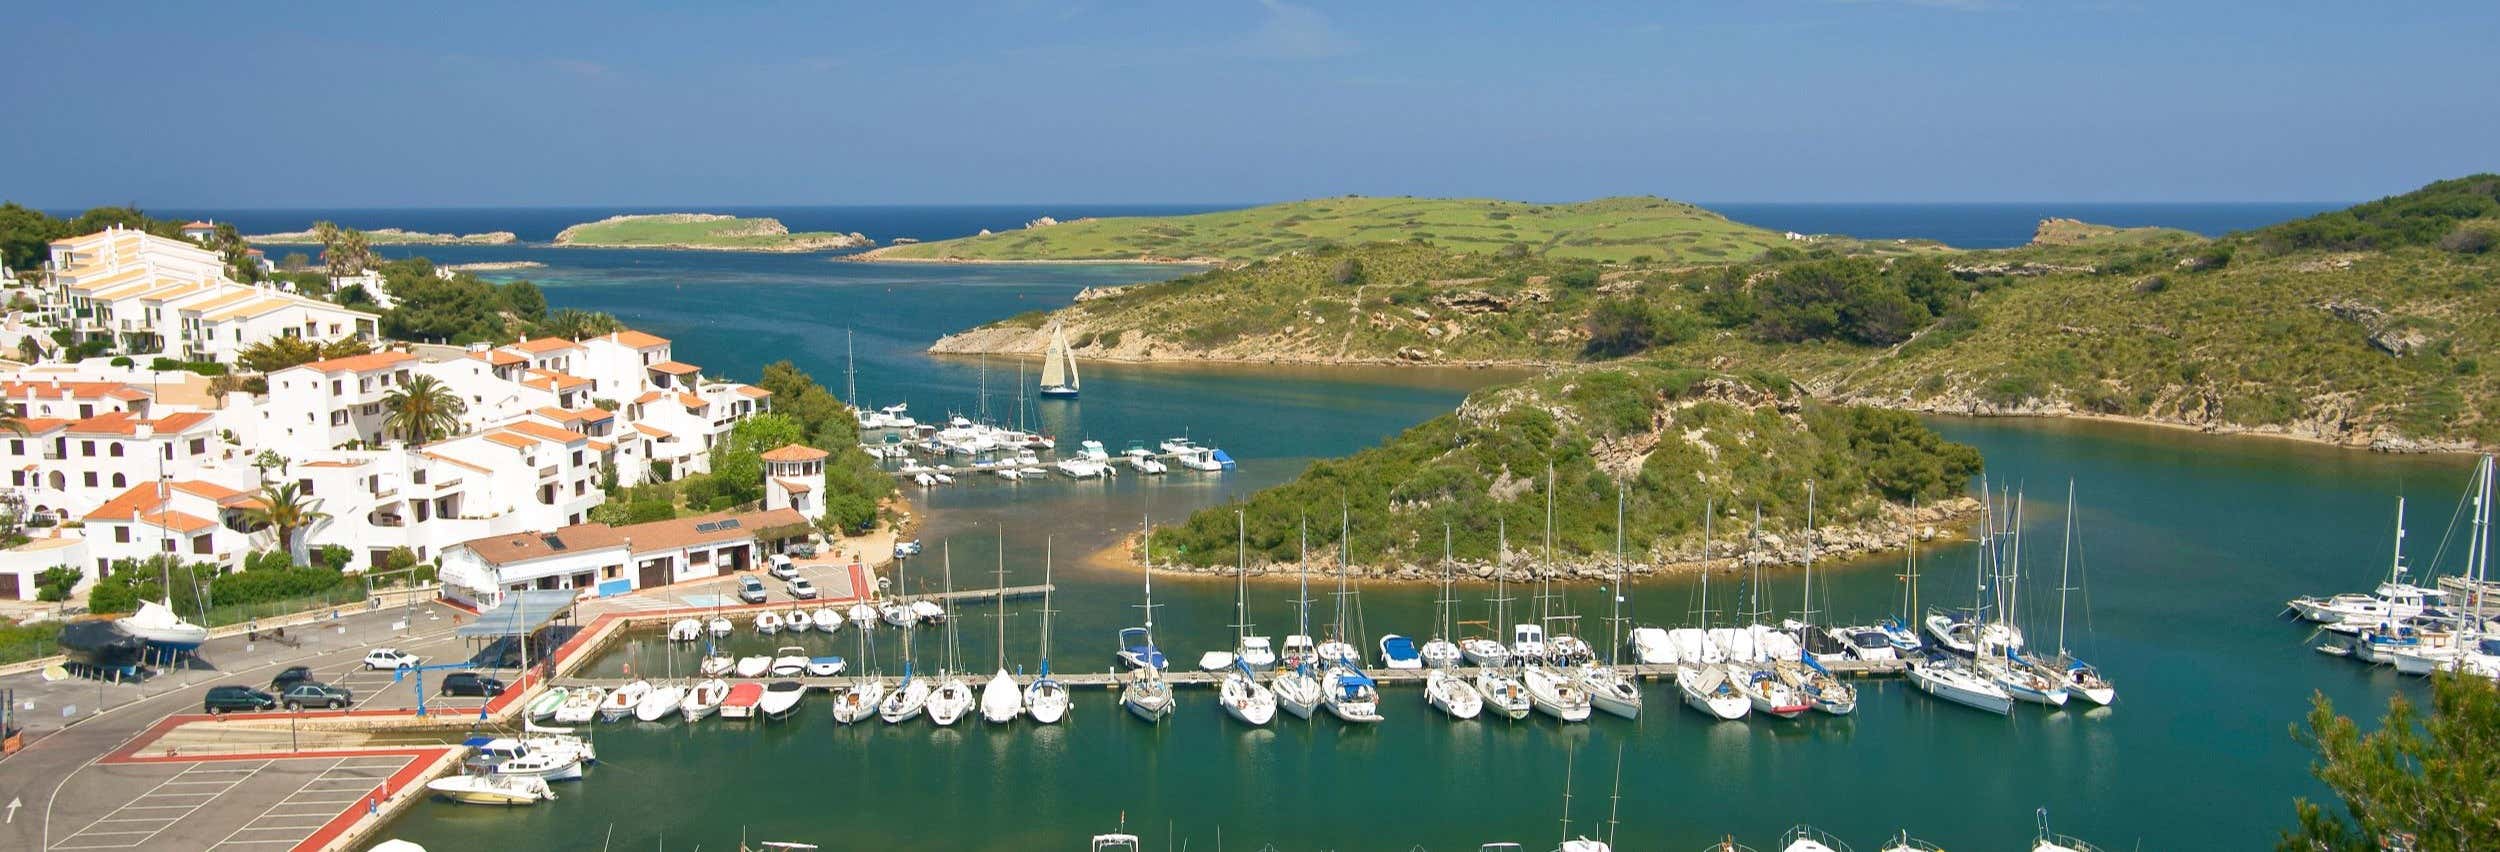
column 1554, row 692
column 911, row 697
column 2003, row 661
column 952, row 697
column 1439, row 652
column 1956, row 679
column 1502, row 692
column 1704, row 684
column 1295, row 688
column 1243, row 696
column 1896, row 629
column 1563, row 647
column 156, row 624
column 858, row 701
column 2081, row 680
column 1046, row 698
column 1608, row 687
column 1002, row 700
column 1146, row 695
column 2393, row 600
column 1337, row 650
column 1806, row 675
column 2445, row 644
column 1059, row 380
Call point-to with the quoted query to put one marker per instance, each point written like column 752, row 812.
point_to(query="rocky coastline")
column 395, row 237
column 585, row 235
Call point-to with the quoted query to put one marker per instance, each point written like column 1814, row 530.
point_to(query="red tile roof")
column 365, row 363
column 794, row 453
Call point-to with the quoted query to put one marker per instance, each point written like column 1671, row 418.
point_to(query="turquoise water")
column 2190, row 545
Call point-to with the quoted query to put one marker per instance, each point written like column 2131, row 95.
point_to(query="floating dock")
column 1114, row 679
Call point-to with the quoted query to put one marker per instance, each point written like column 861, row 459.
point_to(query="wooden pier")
column 1112, row 679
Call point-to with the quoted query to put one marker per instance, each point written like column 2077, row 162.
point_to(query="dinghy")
column 544, row 706
column 797, row 621
column 719, row 626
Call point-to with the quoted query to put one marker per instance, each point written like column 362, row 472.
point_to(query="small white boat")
column 1450, row 694
column 1215, row 661
column 1706, row 688
column 717, row 666
column 156, row 624
column 1143, row 460
column 1245, row 699
column 788, row 661
column 1609, row 689
column 544, row 706
column 1256, row 652
column 704, row 699
column 1080, row 468
column 1527, row 644
column 685, row 630
column 1201, row 459
column 1008, row 473
column 1867, row 642
column 1442, row 654
column 1651, row 647
column 581, row 706
column 1002, row 700
column 1399, row 652
column 827, row 619
column 1503, row 694
column 797, row 621
column 1046, row 699
column 1350, row 695
column 897, row 613
column 864, row 615
column 906, row 702
column 781, row 698
column 742, row 700
column 949, row 700
column 754, row 666
column 1806, row 838
column 825, row 666
column 1298, row 692
column 509, row 757
column 1554, row 694
column 1768, row 693
column 1954, row 681
column 623, row 701
column 491, row 789
column 1484, row 652
column 768, row 623
column 660, row 703
column 928, row 613
column 1298, row 651
column 1338, row 652
column 1147, row 697
column 858, row 701
column 718, row 626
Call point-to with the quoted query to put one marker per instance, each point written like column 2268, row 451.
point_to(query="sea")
column 2185, row 548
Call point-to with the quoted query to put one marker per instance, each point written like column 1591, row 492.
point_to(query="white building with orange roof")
column 327, row 403
column 72, row 399
column 548, row 354
column 794, row 478
column 67, row 468
column 619, row 365
column 154, row 295
column 194, row 520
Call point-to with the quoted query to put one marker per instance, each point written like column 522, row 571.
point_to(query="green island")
column 1667, row 439
column 703, row 232
column 1617, row 230
column 389, row 237
column 2362, row 327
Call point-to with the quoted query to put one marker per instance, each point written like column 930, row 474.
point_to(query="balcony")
column 547, row 472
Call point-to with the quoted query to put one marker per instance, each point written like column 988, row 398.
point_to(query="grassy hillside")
column 702, row 231
column 1670, row 438
column 1607, row 229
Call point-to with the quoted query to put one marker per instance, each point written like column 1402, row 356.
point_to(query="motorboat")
column 1527, row 644
column 1554, row 694
column 1903, row 842
column 1694, row 646
column 1147, row 696
column 858, row 701
column 660, row 703
column 1081, row 468
column 559, row 739
column 1806, row 838
column 781, row 698
column 1298, row 692
column 1245, row 699
column 581, row 706
column 768, row 623
column 1450, row 694
column 1567, row 650
column 1142, row 460
column 2050, row 841
column 906, row 702
column 1651, row 647
column 1338, row 652
column 742, row 701
column 1954, row 680
column 1869, row 642
column 1503, row 694
column 491, row 789
column 949, row 700
column 623, row 701
column 788, row 661
column 1205, row 459
column 1298, row 651
column 1137, row 651
column 1256, row 652
column 1706, row 688
column 754, row 666
column 1215, row 661
column 1350, row 694
column 1002, row 700
column 1484, row 652
column 509, row 757
column 156, row 624
column 1609, row 689
column 1904, row 640
column 1399, row 652
column 544, row 706
column 825, row 666
column 685, row 630
column 1175, row 445
column 703, row 699
column 719, row 666
column 1769, row 694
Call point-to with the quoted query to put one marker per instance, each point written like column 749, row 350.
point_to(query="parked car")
column 800, row 588
column 234, row 699
column 390, row 658
column 471, row 683
column 311, row 694
column 292, row 676
column 782, row 567
column 750, row 590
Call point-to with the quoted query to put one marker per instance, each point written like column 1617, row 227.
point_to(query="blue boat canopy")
column 1399, row 648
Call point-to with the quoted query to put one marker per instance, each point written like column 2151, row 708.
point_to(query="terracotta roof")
column 552, row 380
column 499, row 358
column 124, row 423
column 449, row 460
column 638, row 340
column 40, row 425
column 508, row 439
column 536, row 429
column 795, row 486
column 652, row 431
column 578, row 415
column 676, row 368
column 360, row 363
column 691, row 402
column 209, row 490
column 19, row 390
column 644, row 538
column 140, row 504
column 544, row 345
column 794, row 453
column 648, row 397
column 753, row 391
column 601, row 446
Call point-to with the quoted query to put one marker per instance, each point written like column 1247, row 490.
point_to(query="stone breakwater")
column 1895, row 531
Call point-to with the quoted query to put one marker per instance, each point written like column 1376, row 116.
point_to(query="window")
column 337, row 387
column 700, row 557
column 577, row 457
column 17, row 448
column 612, row 572
column 118, row 481
column 199, row 445
column 91, row 479
column 121, row 535
column 86, row 448
column 113, row 449
column 199, row 543
column 85, row 411
column 339, row 417
column 579, row 488
column 169, row 545
column 304, row 485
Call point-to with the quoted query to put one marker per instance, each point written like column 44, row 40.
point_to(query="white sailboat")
column 1608, row 687
column 858, row 700
column 2396, row 599
column 1242, row 695
column 911, row 697
column 951, row 698
column 1806, row 675
column 685, row 630
column 2080, row 679
column 663, row 701
column 1439, row 652
column 1698, row 677
column 1487, row 651
column 1046, row 698
column 1295, row 688
column 1059, row 379
column 1002, row 699
column 623, row 700
column 1554, row 694
column 1451, row 694
column 704, row 699
column 1146, row 695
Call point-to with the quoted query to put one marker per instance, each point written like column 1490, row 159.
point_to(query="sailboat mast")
column 1753, row 541
column 1302, row 602
column 1614, row 655
column 1909, row 587
column 2396, row 565
column 1002, row 597
column 1046, row 590
column 2065, row 556
column 946, row 556
column 1241, row 577
column 1448, row 600
column 1807, row 613
column 1545, row 585
column 1709, row 510
column 850, row 372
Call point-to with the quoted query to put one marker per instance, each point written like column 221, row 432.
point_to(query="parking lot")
column 218, row 804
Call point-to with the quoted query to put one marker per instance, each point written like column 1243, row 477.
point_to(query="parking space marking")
column 97, row 835
column 321, row 794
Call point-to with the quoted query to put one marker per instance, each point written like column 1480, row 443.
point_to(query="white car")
column 781, row 567
column 800, row 588
column 390, row 658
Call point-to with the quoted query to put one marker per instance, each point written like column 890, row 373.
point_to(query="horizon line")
column 696, row 207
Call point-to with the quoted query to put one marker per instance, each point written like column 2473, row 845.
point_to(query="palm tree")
column 284, row 505
column 423, row 409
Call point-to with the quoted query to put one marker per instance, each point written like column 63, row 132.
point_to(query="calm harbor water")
column 2189, row 545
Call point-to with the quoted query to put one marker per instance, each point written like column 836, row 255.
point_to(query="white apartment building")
column 150, row 294
column 330, row 402
column 68, row 468
column 196, row 520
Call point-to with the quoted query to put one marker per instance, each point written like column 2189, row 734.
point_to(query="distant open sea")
column 1995, row 225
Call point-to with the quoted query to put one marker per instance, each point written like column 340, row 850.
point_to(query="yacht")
column 781, row 699
column 1142, row 460
column 1299, row 651
column 1350, row 694
column 1554, row 694
column 1059, row 378
column 1450, row 693
column 908, row 700
column 1146, row 695
column 1706, row 688
column 1245, row 699
column 491, row 789
column 1651, row 647
column 1137, row 650
column 1954, row 680
column 1768, row 693
column 2393, row 600
column 1527, row 644
column 1256, row 652
column 857, row 701
column 1503, row 694
column 508, row 758
column 2049, row 841
column 1806, row 838
column 1827, row 693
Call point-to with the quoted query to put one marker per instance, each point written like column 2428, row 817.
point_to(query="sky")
column 455, row 104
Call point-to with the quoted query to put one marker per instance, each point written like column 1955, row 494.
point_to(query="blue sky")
column 426, row 104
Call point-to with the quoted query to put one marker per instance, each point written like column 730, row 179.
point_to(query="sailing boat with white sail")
column 1002, row 700
column 1046, row 698
column 952, row 697
column 1439, row 652
column 1502, row 692
column 1059, row 380
column 2080, row 678
column 1242, row 695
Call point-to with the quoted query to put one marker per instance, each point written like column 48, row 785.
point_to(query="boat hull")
column 1056, row 392
column 1945, row 688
